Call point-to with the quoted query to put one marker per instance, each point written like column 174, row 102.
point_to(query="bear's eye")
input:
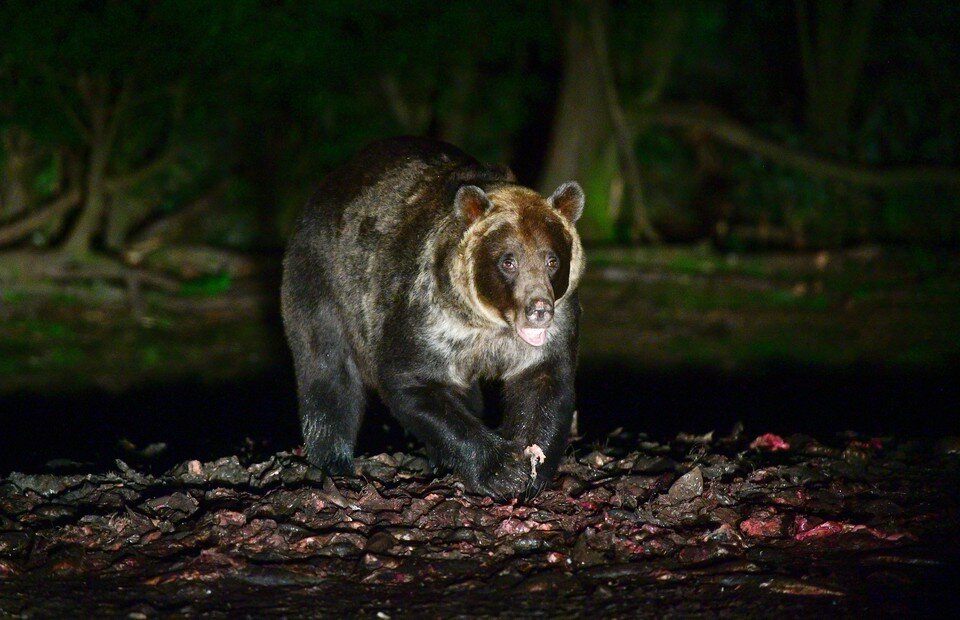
column 553, row 262
column 508, row 263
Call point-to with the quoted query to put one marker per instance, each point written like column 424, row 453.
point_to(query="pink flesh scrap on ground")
column 769, row 441
column 874, row 443
column 832, row 528
column 763, row 524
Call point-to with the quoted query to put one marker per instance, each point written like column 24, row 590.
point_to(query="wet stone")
column 883, row 508
column 344, row 549
column 527, row 544
column 597, row 460
column 43, row 484
column 653, row 465
column 228, row 470
column 702, row 554
column 725, row 515
column 603, row 592
column 380, row 542
column 620, row 514
column 687, row 487
column 572, row 486
column 764, row 523
column 174, row 506
column 462, row 534
column 717, row 466
column 551, row 581
column 53, row 512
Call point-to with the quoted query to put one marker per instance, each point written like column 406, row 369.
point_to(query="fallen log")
column 27, row 266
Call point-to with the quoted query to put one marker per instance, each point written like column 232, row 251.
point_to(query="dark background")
column 772, row 215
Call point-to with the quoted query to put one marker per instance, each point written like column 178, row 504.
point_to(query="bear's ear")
column 471, row 202
column 568, row 199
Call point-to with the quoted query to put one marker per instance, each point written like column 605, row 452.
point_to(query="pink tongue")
column 534, row 336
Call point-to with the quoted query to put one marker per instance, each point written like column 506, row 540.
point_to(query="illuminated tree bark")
column 581, row 124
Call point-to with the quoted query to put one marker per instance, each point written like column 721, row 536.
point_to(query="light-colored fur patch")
column 506, row 210
column 516, row 198
column 473, row 336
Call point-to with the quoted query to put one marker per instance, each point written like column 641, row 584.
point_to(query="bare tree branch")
column 121, row 182
column 119, row 108
column 738, row 136
column 18, row 229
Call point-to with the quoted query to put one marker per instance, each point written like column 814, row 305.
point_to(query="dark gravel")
column 699, row 527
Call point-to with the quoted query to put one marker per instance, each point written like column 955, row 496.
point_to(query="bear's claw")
column 507, row 479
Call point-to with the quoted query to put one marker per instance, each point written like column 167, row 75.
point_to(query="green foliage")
column 150, row 356
column 207, row 286
column 45, row 329
column 9, row 297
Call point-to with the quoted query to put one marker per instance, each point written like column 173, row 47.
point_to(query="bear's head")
column 520, row 255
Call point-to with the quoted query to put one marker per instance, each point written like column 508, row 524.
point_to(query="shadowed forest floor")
column 643, row 309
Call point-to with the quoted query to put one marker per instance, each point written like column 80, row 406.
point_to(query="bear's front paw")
column 507, row 478
column 333, row 464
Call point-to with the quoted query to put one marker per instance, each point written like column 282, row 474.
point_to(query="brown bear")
column 417, row 271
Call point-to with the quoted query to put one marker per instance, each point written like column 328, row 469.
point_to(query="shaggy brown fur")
column 417, row 271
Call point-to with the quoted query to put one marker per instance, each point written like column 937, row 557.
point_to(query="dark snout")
column 539, row 312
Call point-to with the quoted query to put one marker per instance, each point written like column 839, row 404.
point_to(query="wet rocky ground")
column 700, row 526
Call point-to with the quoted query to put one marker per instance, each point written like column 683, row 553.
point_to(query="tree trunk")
column 80, row 239
column 413, row 117
column 104, row 119
column 633, row 218
column 580, row 129
column 126, row 211
column 19, row 157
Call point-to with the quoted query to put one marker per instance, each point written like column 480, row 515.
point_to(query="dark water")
column 257, row 416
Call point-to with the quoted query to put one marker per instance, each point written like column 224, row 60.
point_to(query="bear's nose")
column 540, row 312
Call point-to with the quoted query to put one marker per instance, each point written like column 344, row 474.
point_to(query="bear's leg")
column 474, row 399
column 538, row 410
column 474, row 404
column 329, row 388
column 441, row 416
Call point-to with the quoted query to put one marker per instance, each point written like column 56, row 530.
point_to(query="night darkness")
column 767, row 408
